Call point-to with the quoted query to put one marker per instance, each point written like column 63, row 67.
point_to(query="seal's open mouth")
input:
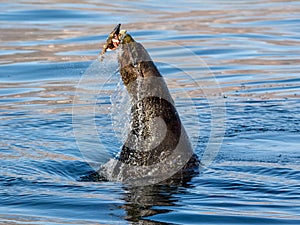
column 113, row 40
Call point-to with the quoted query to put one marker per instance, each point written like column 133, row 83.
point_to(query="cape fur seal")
column 157, row 148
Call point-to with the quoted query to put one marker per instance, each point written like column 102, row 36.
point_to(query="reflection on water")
column 252, row 47
column 140, row 202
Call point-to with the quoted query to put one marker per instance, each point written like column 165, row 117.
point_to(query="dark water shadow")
column 141, row 203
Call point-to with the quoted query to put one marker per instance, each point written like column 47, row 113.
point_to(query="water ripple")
column 252, row 48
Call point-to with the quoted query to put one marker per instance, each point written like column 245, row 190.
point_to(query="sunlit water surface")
column 252, row 49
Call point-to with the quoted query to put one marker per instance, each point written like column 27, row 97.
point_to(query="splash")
column 120, row 111
column 91, row 106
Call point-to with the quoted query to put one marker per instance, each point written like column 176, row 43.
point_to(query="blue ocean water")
column 250, row 49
